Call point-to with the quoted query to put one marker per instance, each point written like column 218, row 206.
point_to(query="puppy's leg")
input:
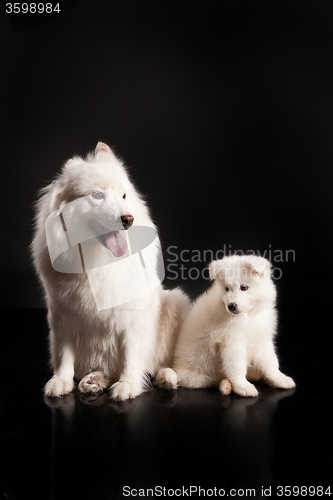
column 167, row 378
column 267, row 364
column 94, row 382
column 62, row 357
column 242, row 387
column 234, row 368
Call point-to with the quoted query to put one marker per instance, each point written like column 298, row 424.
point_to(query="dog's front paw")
column 57, row 387
column 120, row 391
column 167, row 379
column 282, row 381
column 244, row 389
column 94, row 382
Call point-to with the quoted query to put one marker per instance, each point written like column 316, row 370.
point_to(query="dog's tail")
column 175, row 306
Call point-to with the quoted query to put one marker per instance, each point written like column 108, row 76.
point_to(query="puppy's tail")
column 175, row 306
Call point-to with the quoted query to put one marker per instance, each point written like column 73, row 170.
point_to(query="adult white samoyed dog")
column 227, row 338
column 96, row 251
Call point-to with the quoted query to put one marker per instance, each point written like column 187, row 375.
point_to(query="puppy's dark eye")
column 227, row 289
column 124, row 196
column 98, row 196
column 244, row 288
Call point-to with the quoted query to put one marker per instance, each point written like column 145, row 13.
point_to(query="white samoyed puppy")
column 111, row 323
column 227, row 338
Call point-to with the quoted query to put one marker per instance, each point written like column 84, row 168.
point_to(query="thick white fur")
column 118, row 346
column 219, row 348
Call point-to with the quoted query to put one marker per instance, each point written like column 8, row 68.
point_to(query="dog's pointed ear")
column 103, row 149
column 257, row 266
column 215, row 267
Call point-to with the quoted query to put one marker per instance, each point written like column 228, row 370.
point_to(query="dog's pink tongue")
column 116, row 243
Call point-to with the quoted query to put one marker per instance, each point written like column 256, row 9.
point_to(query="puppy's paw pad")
column 167, row 379
column 120, row 391
column 94, row 382
column 57, row 387
column 225, row 386
column 245, row 390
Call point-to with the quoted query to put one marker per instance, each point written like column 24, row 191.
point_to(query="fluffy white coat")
column 115, row 347
column 227, row 338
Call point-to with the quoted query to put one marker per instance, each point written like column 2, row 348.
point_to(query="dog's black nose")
column 232, row 307
column 127, row 220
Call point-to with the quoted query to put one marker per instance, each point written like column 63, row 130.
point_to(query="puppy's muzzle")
column 127, row 220
column 232, row 307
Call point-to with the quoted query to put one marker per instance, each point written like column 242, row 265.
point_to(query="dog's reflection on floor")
column 166, row 438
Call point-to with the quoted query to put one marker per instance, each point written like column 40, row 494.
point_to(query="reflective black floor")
column 93, row 448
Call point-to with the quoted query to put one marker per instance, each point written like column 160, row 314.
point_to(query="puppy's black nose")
column 232, row 307
column 127, row 220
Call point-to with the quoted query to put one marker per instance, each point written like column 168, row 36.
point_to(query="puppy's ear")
column 257, row 266
column 103, row 149
column 215, row 267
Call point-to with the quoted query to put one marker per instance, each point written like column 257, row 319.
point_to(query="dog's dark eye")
column 244, row 288
column 98, row 196
column 124, row 196
column 227, row 289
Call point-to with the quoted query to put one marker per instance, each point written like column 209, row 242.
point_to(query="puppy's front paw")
column 57, row 387
column 167, row 379
column 225, row 386
column 94, row 382
column 120, row 391
column 282, row 381
column 244, row 389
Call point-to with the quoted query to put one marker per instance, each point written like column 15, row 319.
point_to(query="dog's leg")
column 234, row 368
column 94, row 382
column 268, row 365
column 62, row 381
column 167, row 378
column 194, row 379
column 137, row 344
column 62, row 357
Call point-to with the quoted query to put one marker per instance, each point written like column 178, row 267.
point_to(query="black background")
column 223, row 113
